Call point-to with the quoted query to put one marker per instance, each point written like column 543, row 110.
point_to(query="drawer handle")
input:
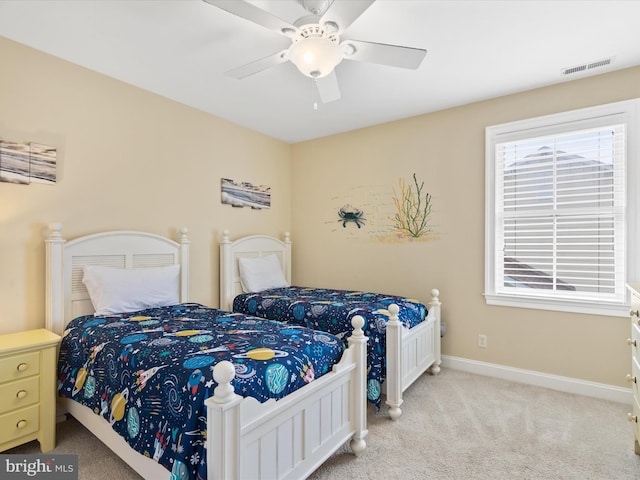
column 631, row 378
column 631, row 343
column 22, row 367
column 635, row 313
column 21, row 424
column 21, row 394
column 632, row 418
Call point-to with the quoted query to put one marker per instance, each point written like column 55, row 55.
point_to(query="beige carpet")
column 454, row 426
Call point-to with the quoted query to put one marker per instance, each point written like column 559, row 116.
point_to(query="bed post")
column 358, row 342
column 184, row 242
column 226, row 265
column 287, row 257
column 54, row 288
column 223, row 426
column 435, row 304
column 393, row 379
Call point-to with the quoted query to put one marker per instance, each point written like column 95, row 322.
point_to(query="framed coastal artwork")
column 26, row 163
column 245, row 194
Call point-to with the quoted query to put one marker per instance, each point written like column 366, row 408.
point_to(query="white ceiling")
column 477, row 50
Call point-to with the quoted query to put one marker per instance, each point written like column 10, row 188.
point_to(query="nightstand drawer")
column 19, row 423
column 19, row 366
column 19, row 394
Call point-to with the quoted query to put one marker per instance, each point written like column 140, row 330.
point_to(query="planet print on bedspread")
column 148, row 373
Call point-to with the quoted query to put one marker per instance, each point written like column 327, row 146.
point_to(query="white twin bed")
column 245, row 439
column 409, row 351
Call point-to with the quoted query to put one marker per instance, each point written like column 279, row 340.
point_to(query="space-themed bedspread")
column 149, row 372
column 331, row 311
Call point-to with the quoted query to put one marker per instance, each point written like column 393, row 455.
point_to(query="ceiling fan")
column 315, row 42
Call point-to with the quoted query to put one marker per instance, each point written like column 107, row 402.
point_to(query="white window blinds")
column 560, row 215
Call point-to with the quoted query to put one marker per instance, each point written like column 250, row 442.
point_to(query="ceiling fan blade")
column 248, row 11
column 258, row 65
column 328, row 88
column 393, row 55
column 344, row 12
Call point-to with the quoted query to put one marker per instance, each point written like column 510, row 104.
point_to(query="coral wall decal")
column 413, row 210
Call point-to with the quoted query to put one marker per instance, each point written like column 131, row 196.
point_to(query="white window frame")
column 626, row 112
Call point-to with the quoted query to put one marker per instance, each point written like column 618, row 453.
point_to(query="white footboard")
column 291, row 437
column 411, row 352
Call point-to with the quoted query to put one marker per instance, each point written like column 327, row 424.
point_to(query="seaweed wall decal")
column 413, row 210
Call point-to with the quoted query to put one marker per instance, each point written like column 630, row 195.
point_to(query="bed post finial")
column 223, row 373
column 358, row 343
column 435, row 293
column 183, row 235
column 225, row 236
column 54, row 231
column 287, row 237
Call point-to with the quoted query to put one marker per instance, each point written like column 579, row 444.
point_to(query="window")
column 560, row 219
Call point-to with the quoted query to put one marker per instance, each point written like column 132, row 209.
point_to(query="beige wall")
column 128, row 159
column 446, row 150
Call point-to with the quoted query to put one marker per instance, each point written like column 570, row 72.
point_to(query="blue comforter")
column 331, row 311
column 149, row 372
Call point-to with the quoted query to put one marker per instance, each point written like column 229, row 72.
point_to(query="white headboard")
column 251, row 246
column 66, row 295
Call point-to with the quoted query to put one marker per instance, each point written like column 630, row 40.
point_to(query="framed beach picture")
column 245, row 194
column 26, row 163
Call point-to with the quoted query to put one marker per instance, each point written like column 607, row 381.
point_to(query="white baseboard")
column 530, row 377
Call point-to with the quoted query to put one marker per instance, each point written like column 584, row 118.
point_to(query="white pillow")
column 261, row 273
column 120, row 290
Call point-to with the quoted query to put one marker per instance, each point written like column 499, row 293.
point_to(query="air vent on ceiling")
column 587, row 66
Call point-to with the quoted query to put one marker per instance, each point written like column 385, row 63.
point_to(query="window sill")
column 591, row 308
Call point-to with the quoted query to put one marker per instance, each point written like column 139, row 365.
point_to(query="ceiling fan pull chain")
column 314, row 93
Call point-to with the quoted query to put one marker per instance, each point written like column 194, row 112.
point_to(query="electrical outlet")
column 482, row 341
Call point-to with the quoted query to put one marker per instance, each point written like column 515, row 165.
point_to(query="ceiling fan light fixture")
column 315, row 56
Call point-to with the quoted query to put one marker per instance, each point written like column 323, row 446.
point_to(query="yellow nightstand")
column 28, row 388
